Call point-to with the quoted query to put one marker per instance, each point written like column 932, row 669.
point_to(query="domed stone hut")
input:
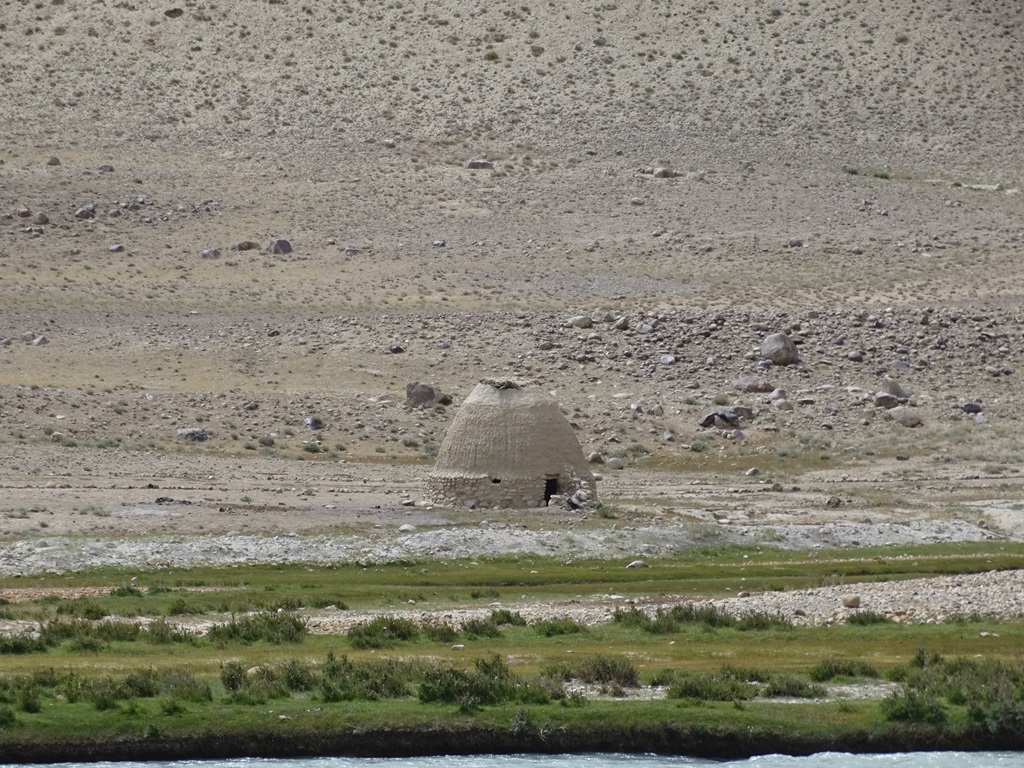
column 510, row 446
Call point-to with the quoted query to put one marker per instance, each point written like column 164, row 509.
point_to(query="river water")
column 822, row 760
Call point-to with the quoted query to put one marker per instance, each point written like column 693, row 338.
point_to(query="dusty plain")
column 845, row 172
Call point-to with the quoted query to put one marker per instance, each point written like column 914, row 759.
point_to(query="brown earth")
column 846, row 172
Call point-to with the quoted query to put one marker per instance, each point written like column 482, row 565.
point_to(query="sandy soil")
column 846, row 173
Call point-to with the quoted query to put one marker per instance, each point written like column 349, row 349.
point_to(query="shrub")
column 143, row 683
column 492, row 682
column 440, row 632
column 7, row 716
column 232, row 676
column 563, row 625
column 126, row 590
column 709, row 686
column 502, row 616
column 866, row 618
column 276, row 628
column 160, row 632
column 831, row 668
column 345, row 680
column 791, row 686
column 481, row 628
column 910, row 706
column 762, row 621
column 182, row 684
column 598, row 668
column 382, row 631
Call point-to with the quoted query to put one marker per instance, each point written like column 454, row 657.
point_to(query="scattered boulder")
column 313, row 423
column 971, row 407
column 780, row 349
column 720, row 417
column 106, row 168
column 893, row 387
column 885, row 400
column 420, row 395
column 855, row 356
column 479, row 164
column 279, row 247
column 211, row 253
column 396, row 349
column 833, row 502
column 40, row 219
column 851, row 601
column 193, row 434
column 53, row 160
column 245, row 245
column 615, row 463
column 86, row 212
column 905, row 416
column 665, row 173
column 751, row 383
column 638, row 564
column 581, row 321
column 407, row 528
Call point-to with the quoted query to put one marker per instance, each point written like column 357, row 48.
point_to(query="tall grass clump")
column 344, row 680
column 382, row 631
column 276, row 628
column 831, row 668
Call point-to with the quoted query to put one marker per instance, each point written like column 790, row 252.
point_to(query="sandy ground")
column 848, row 174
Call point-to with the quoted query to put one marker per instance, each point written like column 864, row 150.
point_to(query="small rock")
column 581, row 321
column 279, row 247
column 313, row 423
column 638, row 564
column 116, row 248
column 407, row 528
column 777, row 394
column 664, row 173
column 833, row 501
column 752, row 472
column 86, row 212
column 389, row 143
column 40, row 219
column 636, row 201
column 195, row 434
column 667, row 359
column 782, row 405
column 594, row 457
column 245, row 245
column 106, row 168
column 971, row 407
column 743, row 593
column 39, row 341
column 396, row 349
column 211, row 253
column 438, row 244
column 851, row 601
column 479, row 164
column 615, row 463
column 796, row 242
column 53, row 160
column 855, row 356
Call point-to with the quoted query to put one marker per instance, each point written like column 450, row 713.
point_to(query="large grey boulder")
column 780, row 349
column 419, row 395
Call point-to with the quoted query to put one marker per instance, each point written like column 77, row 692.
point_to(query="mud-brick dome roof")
column 509, row 429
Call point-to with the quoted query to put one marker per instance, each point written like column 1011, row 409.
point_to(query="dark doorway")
column 550, row 488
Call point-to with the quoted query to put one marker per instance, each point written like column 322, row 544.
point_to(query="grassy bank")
column 118, row 674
